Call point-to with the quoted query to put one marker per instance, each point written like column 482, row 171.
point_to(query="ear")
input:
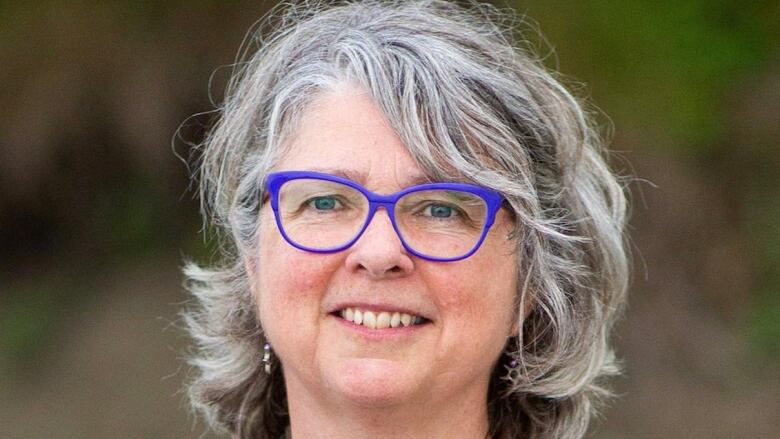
column 527, row 304
column 250, row 266
column 514, row 331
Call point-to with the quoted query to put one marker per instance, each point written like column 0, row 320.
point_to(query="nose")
column 379, row 252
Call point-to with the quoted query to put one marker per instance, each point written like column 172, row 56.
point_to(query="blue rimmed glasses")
column 324, row 213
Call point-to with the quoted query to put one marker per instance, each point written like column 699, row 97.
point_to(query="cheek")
column 289, row 283
column 476, row 306
column 280, row 275
column 481, row 291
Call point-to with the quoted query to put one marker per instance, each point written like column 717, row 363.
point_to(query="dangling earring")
column 510, row 364
column 267, row 358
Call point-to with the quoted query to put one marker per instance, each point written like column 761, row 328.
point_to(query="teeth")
column 395, row 320
column 369, row 319
column 381, row 320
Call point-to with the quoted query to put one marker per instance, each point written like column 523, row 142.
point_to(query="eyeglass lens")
column 325, row 215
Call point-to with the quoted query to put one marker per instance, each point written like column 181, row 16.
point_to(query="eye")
column 439, row 211
column 324, row 203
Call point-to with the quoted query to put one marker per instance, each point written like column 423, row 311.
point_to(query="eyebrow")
column 361, row 177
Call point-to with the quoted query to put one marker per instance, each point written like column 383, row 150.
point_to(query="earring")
column 511, row 362
column 267, row 358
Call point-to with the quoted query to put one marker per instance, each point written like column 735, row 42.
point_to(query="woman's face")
column 467, row 305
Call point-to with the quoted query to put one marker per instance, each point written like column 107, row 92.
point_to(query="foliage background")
column 95, row 212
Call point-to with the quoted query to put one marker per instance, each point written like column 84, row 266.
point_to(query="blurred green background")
column 96, row 214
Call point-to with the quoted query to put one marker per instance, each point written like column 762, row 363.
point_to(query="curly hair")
column 470, row 100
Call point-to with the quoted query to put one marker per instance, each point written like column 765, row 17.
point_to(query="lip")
column 379, row 334
column 377, row 307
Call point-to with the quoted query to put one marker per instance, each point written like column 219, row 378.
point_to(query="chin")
column 374, row 382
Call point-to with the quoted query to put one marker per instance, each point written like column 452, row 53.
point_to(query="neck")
column 463, row 417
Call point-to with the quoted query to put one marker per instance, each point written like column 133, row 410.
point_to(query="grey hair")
column 471, row 103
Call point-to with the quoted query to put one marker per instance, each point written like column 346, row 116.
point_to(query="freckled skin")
column 329, row 369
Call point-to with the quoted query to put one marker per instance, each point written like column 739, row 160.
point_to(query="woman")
column 422, row 236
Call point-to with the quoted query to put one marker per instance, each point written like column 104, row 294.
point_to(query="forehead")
column 343, row 132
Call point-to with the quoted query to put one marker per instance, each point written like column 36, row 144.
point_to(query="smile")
column 379, row 320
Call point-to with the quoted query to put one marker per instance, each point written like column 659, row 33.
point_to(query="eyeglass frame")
column 493, row 200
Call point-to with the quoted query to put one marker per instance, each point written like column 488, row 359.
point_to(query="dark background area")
column 96, row 215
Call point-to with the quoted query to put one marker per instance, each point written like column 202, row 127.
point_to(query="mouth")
column 377, row 319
